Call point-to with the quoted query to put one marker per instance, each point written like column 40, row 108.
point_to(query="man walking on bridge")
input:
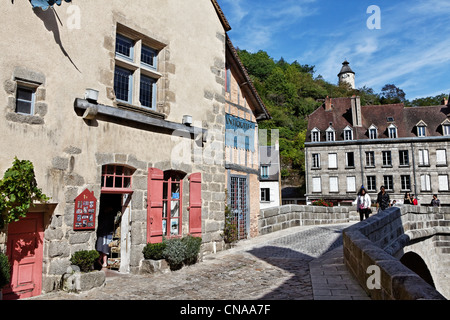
column 383, row 201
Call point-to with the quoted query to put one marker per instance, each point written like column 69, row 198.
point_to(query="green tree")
column 18, row 191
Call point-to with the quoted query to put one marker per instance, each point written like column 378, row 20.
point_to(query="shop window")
column 116, row 179
column 171, row 213
column 164, row 209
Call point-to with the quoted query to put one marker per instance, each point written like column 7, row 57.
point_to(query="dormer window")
column 331, row 134
column 348, row 133
column 421, row 129
column 392, row 131
column 446, row 128
column 315, row 135
column 373, row 132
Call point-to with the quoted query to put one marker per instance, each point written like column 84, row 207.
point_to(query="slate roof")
column 405, row 119
column 345, row 68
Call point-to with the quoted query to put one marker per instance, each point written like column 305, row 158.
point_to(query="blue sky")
column 411, row 50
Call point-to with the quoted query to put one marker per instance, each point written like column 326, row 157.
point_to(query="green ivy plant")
column 18, row 191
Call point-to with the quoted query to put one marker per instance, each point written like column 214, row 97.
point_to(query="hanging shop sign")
column 85, row 206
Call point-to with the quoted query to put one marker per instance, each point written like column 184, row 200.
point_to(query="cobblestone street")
column 270, row 267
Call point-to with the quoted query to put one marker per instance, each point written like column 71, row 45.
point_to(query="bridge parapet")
column 381, row 240
column 287, row 216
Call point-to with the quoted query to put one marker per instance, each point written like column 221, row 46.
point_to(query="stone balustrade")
column 287, row 216
column 372, row 249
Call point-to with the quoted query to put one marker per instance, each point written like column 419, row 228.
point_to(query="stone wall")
column 381, row 240
column 287, row 216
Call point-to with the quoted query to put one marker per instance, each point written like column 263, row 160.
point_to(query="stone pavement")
column 301, row 263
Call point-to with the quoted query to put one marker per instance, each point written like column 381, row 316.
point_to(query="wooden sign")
column 85, row 207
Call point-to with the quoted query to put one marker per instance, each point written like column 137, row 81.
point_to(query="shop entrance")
column 108, row 231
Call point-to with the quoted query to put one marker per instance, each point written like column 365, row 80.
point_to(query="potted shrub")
column 154, row 258
column 81, row 276
column 5, row 272
column 85, row 259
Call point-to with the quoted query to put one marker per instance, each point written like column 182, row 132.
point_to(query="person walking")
column 435, row 202
column 407, row 199
column 383, row 201
column 363, row 203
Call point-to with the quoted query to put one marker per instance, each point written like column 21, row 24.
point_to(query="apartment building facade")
column 403, row 149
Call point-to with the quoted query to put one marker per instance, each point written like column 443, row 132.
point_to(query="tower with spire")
column 347, row 75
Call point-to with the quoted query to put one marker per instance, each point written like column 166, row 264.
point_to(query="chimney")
column 328, row 104
column 445, row 101
column 356, row 111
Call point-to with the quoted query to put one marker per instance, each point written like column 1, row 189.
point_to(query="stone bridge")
column 398, row 254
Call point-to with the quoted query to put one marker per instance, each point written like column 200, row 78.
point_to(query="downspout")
column 414, row 168
column 306, row 174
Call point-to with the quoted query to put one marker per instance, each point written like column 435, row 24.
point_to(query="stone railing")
column 287, row 216
column 372, row 248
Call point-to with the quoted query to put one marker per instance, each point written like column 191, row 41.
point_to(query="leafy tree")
column 429, row 101
column 390, row 93
column 18, row 191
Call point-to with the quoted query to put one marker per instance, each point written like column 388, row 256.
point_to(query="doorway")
column 239, row 205
column 109, row 230
column 25, row 254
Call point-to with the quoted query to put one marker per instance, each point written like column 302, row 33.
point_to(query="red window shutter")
column 154, row 205
column 195, row 204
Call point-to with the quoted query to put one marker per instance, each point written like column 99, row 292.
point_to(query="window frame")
column 106, row 173
column 315, row 161
column 424, row 158
column 439, row 181
column 421, row 131
column 371, row 183
column 265, row 195
column 387, row 161
column 392, row 131
column 405, row 184
column 439, row 163
column 32, row 102
column 370, row 159
column 348, row 134
column 169, row 179
column 425, row 182
column 139, row 70
column 264, row 172
column 347, row 162
column 403, row 156
column 388, row 182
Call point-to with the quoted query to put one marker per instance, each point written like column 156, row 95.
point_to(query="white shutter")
column 425, row 182
column 441, row 157
column 351, row 184
column 334, row 184
column 443, row 183
column 317, row 187
column 332, row 160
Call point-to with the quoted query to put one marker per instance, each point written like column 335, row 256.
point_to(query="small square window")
column 25, row 100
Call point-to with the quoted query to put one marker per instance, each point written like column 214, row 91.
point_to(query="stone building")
column 270, row 176
column 121, row 109
column 243, row 110
column 403, row 149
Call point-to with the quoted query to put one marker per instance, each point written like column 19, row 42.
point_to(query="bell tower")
column 347, row 74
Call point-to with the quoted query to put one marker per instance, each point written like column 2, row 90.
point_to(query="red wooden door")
column 24, row 250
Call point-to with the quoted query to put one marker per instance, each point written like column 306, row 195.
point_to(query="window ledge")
column 92, row 111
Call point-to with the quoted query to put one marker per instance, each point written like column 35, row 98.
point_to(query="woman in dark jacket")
column 407, row 199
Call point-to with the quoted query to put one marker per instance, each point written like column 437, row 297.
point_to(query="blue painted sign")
column 239, row 133
column 44, row 4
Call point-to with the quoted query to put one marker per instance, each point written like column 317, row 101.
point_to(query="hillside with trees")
column 292, row 91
